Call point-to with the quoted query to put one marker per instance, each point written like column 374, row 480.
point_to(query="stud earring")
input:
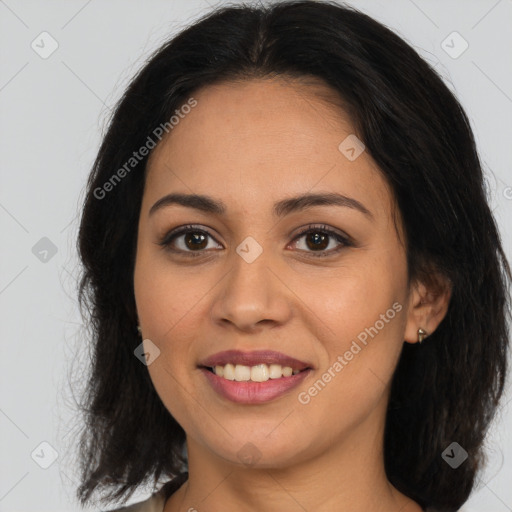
column 139, row 329
column 422, row 334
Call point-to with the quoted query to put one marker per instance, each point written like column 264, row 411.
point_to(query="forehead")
column 262, row 139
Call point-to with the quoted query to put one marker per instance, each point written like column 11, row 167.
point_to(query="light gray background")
column 53, row 112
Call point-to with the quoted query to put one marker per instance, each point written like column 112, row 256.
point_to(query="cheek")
column 365, row 312
column 166, row 296
column 356, row 296
column 353, row 383
column 168, row 308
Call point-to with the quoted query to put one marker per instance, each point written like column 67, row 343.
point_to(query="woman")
column 292, row 274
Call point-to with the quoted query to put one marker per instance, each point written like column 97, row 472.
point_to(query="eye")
column 193, row 241
column 190, row 240
column 318, row 238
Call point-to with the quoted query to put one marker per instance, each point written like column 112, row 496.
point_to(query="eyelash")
column 172, row 235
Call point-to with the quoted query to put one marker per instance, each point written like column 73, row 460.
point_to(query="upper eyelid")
column 181, row 230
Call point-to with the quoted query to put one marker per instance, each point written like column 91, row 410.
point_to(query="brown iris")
column 320, row 241
column 194, row 238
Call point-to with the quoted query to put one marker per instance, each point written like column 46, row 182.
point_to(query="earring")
column 139, row 329
column 422, row 334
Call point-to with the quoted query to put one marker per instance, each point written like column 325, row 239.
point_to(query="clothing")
column 156, row 502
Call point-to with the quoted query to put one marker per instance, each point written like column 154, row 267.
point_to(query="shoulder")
column 156, row 502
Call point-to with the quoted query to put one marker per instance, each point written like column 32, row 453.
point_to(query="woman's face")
column 245, row 279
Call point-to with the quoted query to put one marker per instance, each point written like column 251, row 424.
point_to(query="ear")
column 428, row 304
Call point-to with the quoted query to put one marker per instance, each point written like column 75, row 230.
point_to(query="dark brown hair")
column 446, row 389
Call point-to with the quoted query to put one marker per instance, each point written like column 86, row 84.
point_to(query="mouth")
column 253, row 377
column 258, row 373
column 256, row 366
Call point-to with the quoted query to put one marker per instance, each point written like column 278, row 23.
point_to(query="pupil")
column 319, row 240
column 194, row 238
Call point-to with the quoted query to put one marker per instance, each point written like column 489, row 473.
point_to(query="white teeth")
column 287, row 371
column 276, row 371
column 242, row 373
column 258, row 373
column 229, row 372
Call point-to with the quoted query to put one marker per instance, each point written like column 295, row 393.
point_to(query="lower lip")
column 248, row 392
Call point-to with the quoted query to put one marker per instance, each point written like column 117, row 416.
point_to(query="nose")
column 252, row 295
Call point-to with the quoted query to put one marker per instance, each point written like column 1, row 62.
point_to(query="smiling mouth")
column 257, row 373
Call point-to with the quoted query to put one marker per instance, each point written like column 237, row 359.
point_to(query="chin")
column 261, row 451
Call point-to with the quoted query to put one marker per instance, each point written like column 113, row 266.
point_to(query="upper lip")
column 253, row 358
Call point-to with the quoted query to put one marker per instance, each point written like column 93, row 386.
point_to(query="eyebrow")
column 284, row 207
